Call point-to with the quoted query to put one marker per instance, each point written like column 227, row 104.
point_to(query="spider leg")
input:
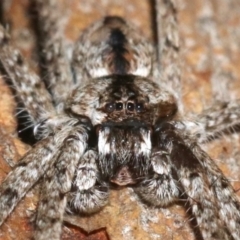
column 168, row 45
column 210, row 195
column 228, row 203
column 57, row 183
column 212, row 122
column 160, row 189
column 31, row 90
column 56, row 71
column 89, row 193
column 32, row 166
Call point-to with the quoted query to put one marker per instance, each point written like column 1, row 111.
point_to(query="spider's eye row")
column 130, row 106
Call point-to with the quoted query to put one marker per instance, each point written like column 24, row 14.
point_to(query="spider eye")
column 110, row 107
column 130, row 106
column 119, row 106
column 139, row 107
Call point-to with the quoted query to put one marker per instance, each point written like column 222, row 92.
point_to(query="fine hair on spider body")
column 108, row 117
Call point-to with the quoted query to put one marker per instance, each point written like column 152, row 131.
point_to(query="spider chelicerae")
column 118, row 123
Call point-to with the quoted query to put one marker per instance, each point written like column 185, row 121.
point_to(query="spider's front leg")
column 57, row 184
column 61, row 135
column 28, row 171
column 32, row 93
column 210, row 195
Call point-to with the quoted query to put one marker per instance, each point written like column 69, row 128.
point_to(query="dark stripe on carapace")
column 117, row 42
column 118, row 81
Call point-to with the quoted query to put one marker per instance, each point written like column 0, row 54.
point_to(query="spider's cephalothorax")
column 117, row 123
column 124, row 110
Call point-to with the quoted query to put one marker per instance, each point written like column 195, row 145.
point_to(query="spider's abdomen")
column 112, row 46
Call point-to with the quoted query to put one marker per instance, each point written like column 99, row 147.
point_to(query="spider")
column 118, row 123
